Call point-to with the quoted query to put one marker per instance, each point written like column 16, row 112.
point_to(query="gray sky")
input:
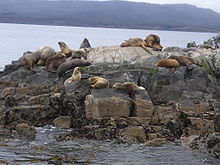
column 212, row 4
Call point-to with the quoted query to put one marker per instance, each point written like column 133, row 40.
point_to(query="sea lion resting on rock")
column 64, row 48
column 168, row 63
column 153, row 41
column 80, row 53
column 45, row 53
column 76, row 76
column 136, row 42
column 183, row 60
column 128, row 87
column 53, row 62
column 30, row 59
column 98, row 82
column 85, row 44
column 70, row 64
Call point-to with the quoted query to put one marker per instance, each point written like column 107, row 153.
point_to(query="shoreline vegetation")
column 111, row 14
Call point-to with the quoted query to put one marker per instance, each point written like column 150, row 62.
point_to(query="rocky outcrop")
column 184, row 104
column 25, row 131
column 105, row 103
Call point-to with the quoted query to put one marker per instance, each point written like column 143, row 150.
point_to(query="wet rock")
column 209, row 143
column 202, row 125
column 105, row 133
column 152, row 136
column 134, row 134
column 62, row 122
column 156, row 142
column 187, row 140
column 143, row 104
column 217, row 123
column 4, row 133
column 163, row 114
column 193, row 107
column 104, row 103
column 25, row 131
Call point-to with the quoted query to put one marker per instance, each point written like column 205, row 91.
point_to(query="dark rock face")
column 182, row 104
column 214, row 41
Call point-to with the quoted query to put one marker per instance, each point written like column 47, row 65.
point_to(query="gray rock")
column 62, row 122
column 105, row 103
column 191, row 44
column 214, row 41
column 25, row 131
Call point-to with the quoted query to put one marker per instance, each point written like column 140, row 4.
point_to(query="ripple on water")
column 46, row 150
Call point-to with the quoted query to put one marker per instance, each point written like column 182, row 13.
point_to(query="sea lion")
column 85, row 44
column 183, row 60
column 30, row 59
column 76, row 76
column 136, row 42
column 98, row 82
column 45, row 53
column 80, row 53
column 168, row 63
column 70, row 64
column 64, row 48
column 53, row 62
column 153, row 41
column 128, row 87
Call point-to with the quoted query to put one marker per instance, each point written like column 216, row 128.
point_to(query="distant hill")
column 119, row 14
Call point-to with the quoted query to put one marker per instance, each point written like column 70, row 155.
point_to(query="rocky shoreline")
column 184, row 104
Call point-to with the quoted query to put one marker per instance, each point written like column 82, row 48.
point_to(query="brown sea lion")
column 85, row 44
column 183, row 60
column 80, row 53
column 71, row 64
column 30, row 59
column 98, row 82
column 153, row 41
column 168, row 63
column 53, row 62
column 128, row 87
column 136, row 42
column 76, row 76
column 45, row 53
column 64, row 48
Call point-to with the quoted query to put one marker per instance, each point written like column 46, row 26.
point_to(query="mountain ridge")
column 115, row 14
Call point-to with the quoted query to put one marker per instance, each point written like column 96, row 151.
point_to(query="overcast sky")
column 212, row 4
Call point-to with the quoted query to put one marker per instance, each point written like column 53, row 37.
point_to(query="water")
column 46, row 150
column 18, row 38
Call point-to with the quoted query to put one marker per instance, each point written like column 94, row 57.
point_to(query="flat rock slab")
column 104, row 103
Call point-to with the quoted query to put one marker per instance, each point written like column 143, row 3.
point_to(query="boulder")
column 25, row 131
column 135, row 134
column 104, row 103
column 202, row 125
column 143, row 104
column 187, row 140
column 62, row 122
column 193, row 106
column 115, row 54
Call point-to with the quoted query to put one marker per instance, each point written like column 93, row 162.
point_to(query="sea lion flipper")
column 145, row 48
